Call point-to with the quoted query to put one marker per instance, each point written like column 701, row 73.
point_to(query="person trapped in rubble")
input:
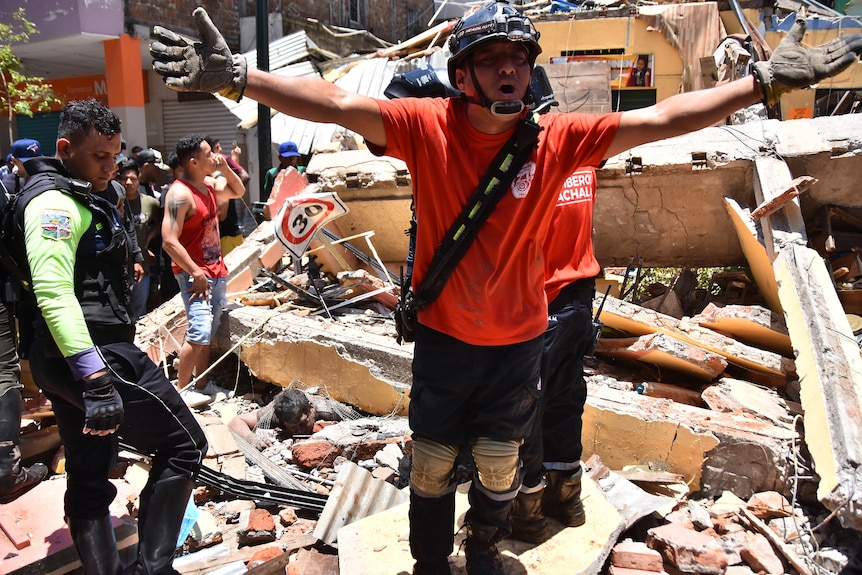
column 478, row 346
column 292, row 412
column 101, row 385
column 190, row 236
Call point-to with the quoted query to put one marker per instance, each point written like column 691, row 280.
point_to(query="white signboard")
column 301, row 216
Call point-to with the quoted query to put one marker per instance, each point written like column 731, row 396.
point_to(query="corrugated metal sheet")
column 368, row 77
column 205, row 117
column 283, row 52
column 356, row 494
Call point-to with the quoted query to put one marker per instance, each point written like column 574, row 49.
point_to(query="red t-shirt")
column 568, row 247
column 496, row 294
column 200, row 234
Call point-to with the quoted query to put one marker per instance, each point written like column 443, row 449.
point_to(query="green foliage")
column 22, row 94
column 667, row 277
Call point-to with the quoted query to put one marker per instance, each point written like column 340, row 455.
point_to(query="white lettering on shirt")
column 577, row 188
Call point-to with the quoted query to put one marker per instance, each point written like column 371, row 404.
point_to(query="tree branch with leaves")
column 22, row 94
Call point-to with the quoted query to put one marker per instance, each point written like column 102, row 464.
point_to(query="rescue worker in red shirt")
column 478, row 346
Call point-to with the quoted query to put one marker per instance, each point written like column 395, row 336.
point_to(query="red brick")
column 688, row 550
column 287, row 516
column 263, row 556
column 259, row 528
column 614, row 570
column 630, row 554
column 311, row 562
column 760, row 555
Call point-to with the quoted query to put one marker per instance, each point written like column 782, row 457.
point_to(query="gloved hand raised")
column 205, row 66
column 795, row 66
column 103, row 407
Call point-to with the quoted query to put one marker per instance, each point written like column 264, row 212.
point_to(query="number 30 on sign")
column 301, row 216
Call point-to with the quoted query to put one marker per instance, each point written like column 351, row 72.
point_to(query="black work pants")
column 157, row 422
column 556, row 435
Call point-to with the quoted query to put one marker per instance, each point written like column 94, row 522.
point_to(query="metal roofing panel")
column 368, row 77
column 283, row 52
column 356, row 494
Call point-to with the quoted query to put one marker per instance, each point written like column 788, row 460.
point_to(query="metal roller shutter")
column 205, row 117
column 42, row 127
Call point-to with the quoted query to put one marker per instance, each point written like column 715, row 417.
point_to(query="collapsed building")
column 758, row 392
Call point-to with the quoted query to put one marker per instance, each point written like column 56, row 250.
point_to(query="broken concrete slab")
column 713, row 451
column 635, row 320
column 729, row 395
column 751, row 324
column 368, row 371
column 828, row 358
column 378, row 545
column 666, row 352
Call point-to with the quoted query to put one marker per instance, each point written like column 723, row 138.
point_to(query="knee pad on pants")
column 433, row 467
column 497, row 463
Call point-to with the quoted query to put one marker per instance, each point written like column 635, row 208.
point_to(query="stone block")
column 636, row 555
column 688, row 550
column 760, row 556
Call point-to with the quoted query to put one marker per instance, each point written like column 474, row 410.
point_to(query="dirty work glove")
column 795, row 66
column 103, row 408
column 205, row 66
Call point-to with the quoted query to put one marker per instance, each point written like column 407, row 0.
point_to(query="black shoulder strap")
column 45, row 174
column 466, row 226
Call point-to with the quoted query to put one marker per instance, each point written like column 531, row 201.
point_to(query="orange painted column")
column 123, row 72
column 127, row 91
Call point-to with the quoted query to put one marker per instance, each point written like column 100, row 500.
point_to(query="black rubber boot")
column 163, row 505
column 15, row 480
column 96, row 545
column 432, row 533
column 487, row 522
column 528, row 521
column 562, row 498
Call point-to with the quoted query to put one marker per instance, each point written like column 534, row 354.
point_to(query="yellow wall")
column 631, row 35
column 628, row 34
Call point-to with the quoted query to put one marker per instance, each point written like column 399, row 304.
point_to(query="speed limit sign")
column 301, row 216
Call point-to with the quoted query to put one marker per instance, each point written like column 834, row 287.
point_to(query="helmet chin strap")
column 500, row 108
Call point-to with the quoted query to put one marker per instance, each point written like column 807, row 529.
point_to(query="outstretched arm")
column 682, row 113
column 209, row 66
column 791, row 66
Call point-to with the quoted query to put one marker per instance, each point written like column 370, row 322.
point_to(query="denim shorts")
column 203, row 317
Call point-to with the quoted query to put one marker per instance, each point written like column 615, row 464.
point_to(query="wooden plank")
column 16, row 536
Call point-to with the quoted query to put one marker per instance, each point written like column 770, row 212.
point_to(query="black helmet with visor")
column 493, row 22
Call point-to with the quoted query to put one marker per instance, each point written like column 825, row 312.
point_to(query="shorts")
column 203, row 317
column 461, row 392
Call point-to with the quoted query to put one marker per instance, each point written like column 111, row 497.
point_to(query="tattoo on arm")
column 174, row 205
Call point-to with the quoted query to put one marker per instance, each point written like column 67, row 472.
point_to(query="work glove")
column 795, row 66
column 205, row 66
column 103, row 408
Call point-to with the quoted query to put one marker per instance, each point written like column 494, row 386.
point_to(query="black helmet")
column 494, row 21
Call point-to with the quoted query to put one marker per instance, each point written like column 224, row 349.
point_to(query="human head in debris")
column 83, row 355
column 292, row 411
column 476, row 357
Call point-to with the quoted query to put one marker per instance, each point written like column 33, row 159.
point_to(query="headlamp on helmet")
column 495, row 21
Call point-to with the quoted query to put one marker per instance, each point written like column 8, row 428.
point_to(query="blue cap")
column 26, row 148
column 288, row 150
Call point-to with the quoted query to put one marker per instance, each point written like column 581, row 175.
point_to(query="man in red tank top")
column 190, row 236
